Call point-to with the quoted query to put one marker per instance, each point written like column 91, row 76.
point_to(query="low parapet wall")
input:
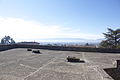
column 81, row 49
column 6, row 47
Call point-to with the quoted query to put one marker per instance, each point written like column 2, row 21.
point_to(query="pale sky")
column 39, row 19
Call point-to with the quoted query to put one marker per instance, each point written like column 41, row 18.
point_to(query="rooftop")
column 20, row 64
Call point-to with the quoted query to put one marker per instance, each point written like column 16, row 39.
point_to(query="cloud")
column 21, row 29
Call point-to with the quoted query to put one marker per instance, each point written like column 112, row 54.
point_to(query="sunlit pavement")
column 20, row 64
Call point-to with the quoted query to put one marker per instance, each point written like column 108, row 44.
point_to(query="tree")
column 86, row 44
column 112, row 39
column 7, row 40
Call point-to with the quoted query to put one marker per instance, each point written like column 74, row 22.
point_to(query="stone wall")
column 6, row 47
column 82, row 49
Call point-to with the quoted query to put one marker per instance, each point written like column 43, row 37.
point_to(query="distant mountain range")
column 71, row 40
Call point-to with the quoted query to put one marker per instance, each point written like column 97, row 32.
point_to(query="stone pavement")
column 20, row 64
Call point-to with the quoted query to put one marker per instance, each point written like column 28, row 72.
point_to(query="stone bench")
column 36, row 51
column 29, row 49
column 73, row 59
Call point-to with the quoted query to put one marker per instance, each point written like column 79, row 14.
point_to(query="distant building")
column 29, row 43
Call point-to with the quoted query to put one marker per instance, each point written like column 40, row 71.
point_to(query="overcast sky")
column 38, row 19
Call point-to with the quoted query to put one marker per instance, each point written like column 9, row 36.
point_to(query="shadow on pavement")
column 113, row 72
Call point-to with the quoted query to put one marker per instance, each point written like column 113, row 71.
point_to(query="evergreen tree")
column 7, row 40
column 112, row 39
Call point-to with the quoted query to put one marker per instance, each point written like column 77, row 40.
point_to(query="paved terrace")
column 20, row 64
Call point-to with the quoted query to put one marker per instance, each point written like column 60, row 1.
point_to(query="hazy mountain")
column 71, row 40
